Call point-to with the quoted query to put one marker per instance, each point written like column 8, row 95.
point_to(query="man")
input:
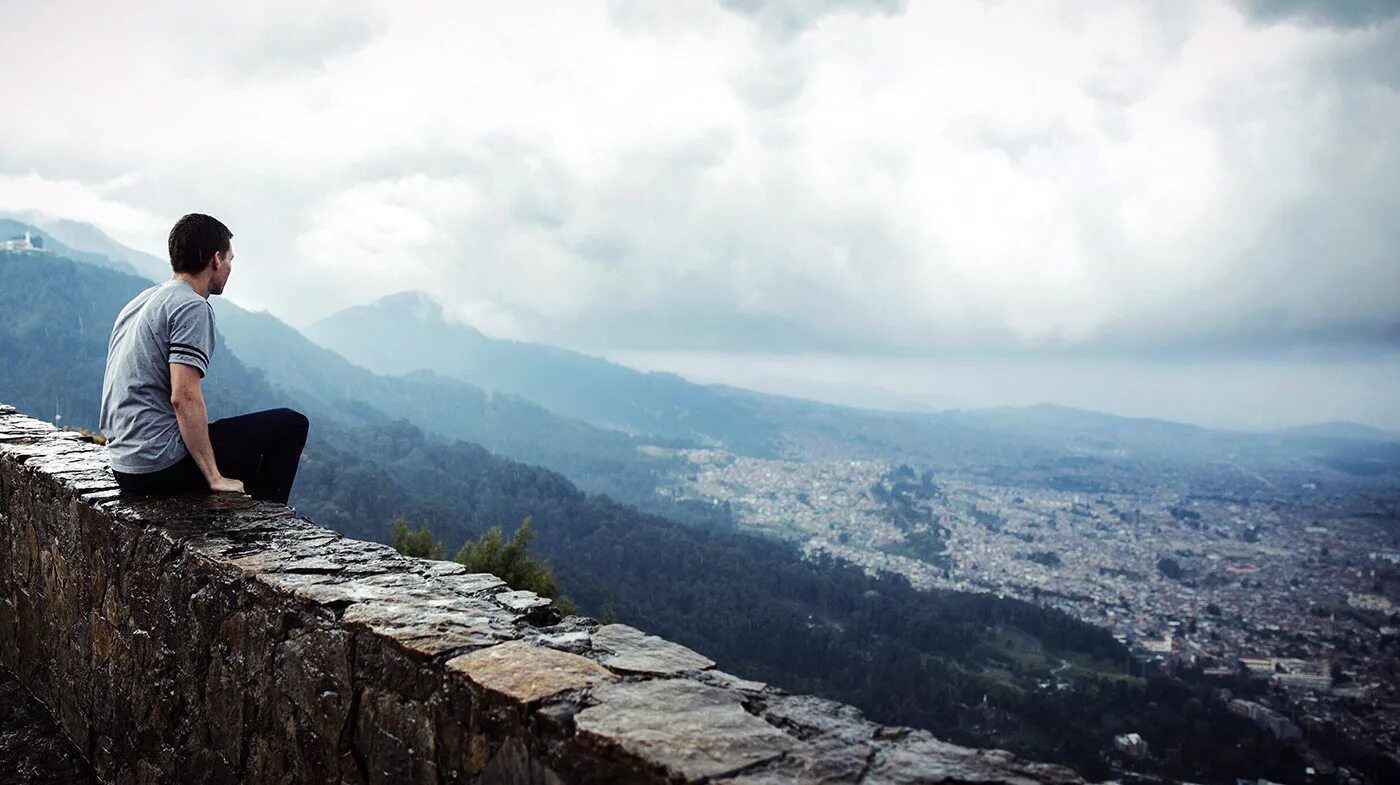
column 158, row 438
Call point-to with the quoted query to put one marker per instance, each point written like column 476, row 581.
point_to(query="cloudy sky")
column 855, row 197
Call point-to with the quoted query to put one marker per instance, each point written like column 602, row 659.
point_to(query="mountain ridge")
column 616, row 404
column 87, row 237
column 10, row 227
column 89, row 243
column 426, row 316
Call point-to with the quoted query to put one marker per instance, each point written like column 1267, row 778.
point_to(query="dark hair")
column 194, row 240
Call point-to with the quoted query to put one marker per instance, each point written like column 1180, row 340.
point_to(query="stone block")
column 525, row 673
column 629, row 650
column 681, row 728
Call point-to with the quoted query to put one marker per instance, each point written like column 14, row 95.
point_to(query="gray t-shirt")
column 167, row 323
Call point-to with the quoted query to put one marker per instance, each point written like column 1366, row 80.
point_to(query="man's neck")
column 199, row 283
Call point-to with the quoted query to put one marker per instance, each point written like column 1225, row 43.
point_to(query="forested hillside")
column 12, row 227
column 598, row 459
column 407, row 332
column 1040, row 444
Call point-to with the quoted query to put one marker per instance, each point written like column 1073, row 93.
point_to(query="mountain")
column 563, row 409
column 552, row 395
column 602, row 460
column 407, row 332
column 599, row 459
column 1045, row 444
column 90, row 239
column 9, row 227
column 1339, row 430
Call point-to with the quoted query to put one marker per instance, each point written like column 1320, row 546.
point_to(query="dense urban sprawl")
column 1287, row 584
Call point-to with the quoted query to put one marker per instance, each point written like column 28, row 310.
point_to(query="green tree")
column 511, row 562
column 417, row 542
column 609, row 613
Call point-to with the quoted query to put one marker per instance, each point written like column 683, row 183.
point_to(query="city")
column 1294, row 586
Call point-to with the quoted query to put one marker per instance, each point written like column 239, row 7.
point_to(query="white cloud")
column 622, row 175
column 91, row 204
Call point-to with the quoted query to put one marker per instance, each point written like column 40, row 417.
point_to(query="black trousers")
column 262, row 449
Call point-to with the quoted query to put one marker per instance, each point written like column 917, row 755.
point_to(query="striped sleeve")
column 192, row 335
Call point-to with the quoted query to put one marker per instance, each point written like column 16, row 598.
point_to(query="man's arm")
column 190, row 413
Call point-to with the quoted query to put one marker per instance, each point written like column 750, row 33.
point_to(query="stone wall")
column 204, row 639
column 33, row 749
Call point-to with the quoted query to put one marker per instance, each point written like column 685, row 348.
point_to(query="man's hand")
column 227, row 485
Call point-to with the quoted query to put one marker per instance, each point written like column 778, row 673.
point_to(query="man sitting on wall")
column 158, row 438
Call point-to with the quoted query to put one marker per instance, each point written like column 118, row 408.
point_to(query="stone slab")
column 687, row 729
column 472, row 582
column 522, row 601
column 629, row 650
column 437, row 627
column 921, row 758
column 526, row 673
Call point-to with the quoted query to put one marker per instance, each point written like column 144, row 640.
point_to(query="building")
column 1370, row 602
column 1257, row 663
column 1266, row 718
column 1307, row 674
column 1131, row 745
column 1311, row 681
column 23, row 242
column 1163, row 646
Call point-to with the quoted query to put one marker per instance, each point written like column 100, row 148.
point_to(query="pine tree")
column 509, row 561
column 609, row 613
column 417, row 542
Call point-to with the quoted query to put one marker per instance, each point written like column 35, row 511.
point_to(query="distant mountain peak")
column 412, row 302
column 1340, row 429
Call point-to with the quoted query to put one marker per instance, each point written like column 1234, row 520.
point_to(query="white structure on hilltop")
column 1131, row 744
column 23, row 242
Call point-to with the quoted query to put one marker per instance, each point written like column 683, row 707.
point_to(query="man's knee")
column 295, row 420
